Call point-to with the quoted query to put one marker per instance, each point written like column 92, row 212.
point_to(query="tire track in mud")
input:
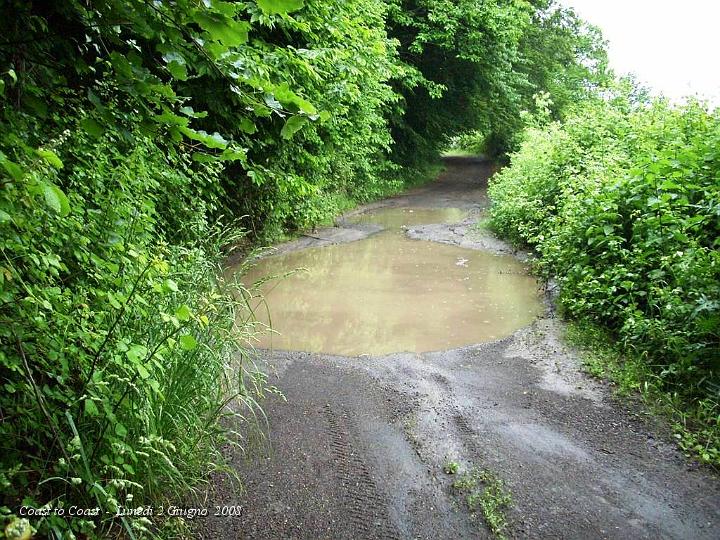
column 367, row 513
column 471, row 451
column 466, row 433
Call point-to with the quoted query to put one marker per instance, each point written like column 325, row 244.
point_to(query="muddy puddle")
column 387, row 293
column 395, row 218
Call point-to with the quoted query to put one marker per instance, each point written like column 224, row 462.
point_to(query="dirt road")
column 359, row 445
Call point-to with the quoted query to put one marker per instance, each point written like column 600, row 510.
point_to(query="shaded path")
column 359, row 446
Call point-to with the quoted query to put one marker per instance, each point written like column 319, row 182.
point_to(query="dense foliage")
column 547, row 53
column 135, row 134
column 462, row 55
column 115, row 369
column 622, row 202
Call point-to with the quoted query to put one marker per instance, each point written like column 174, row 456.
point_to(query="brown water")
column 387, row 294
column 394, row 218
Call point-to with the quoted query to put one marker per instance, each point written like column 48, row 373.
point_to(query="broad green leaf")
column 95, row 100
column 92, row 127
column 136, row 353
column 38, row 106
column 142, row 371
column 178, row 70
column 274, row 7
column 55, row 198
column 2, row 87
column 171, row 119
column 170, row 285
column 292, row 126
column 202, row 157
column 120, row 430
column 51, row 157
column 187, row 342
column 90, row 407
column 247, row 126
column 233, row 154
column 211, row 141
column 229, row 9
column 272, row 102
column 176, row 65
column 113, row 301
column 4, row 216
column 121, row 65
column 183, row 313
column 261, row 110
column 289, row 98
column 189, row 111
column 229, row 31
column 12, row 168
column 155, row 386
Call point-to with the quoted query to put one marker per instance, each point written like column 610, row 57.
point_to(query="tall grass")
column 171, row 383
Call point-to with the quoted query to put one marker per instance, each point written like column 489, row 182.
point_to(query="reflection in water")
column 394, row 218
column 389, row 294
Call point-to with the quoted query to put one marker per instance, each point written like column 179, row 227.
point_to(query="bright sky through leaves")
column 673, row 47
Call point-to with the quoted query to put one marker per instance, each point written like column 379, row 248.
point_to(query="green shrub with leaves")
column 621, row 201
column 120, row 351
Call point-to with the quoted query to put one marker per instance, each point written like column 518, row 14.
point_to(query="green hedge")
column 622, row 202
column 120, row 348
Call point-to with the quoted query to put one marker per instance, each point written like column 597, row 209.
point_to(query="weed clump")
column 484, row 491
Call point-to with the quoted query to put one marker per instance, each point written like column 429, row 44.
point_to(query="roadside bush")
column 120, row 351
column 621, row 201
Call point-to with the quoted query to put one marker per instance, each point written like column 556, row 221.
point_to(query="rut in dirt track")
column 359, row 444
column 361, row 496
